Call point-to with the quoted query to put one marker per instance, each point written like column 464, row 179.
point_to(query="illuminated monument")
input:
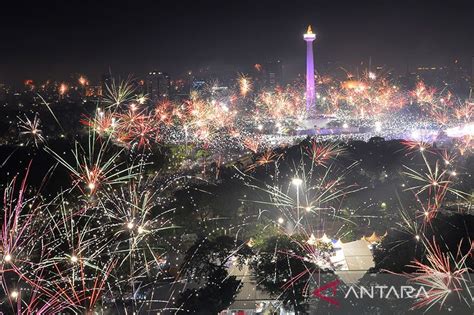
column 309, row 37
column 312, row 121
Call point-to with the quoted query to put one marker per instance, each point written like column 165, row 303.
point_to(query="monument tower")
column 309, row 37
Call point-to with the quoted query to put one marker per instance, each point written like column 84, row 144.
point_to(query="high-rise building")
column 273, row 73
column 198, row 84
column 158, row 86
column 309, row 37
column 267, row 74
column 92, row 91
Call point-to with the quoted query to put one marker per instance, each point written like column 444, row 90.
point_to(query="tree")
column 400, row 248
column 206, row 263
column 218, row 293
column 281, row 270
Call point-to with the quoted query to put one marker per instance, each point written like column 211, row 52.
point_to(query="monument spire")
column 309, row 37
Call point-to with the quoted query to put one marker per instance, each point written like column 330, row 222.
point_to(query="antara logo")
column 328, row 292
column 330, row 286
column 387, row 292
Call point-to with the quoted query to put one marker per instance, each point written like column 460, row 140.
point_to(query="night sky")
column 46, row 39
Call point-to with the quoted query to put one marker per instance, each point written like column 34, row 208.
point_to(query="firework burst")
column 444, row 275
column 31, row 129
column 96, row 166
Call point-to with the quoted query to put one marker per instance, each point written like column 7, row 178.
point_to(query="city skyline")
column 50, row 41
column 237, row 158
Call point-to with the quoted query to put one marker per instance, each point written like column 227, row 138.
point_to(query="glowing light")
column 297, row 181
column 461, row 131
column 378, row 126
column 14, row 294
column 280, row 220
column 130, row 225
column 245, row 85
column 309, row 34
column 74, row 259
column 83, row 81
column 141, row 100
column 63, row 89
column 91, row 186
column 7, row 258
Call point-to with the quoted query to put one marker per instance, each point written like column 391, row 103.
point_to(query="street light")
column 297, row 181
